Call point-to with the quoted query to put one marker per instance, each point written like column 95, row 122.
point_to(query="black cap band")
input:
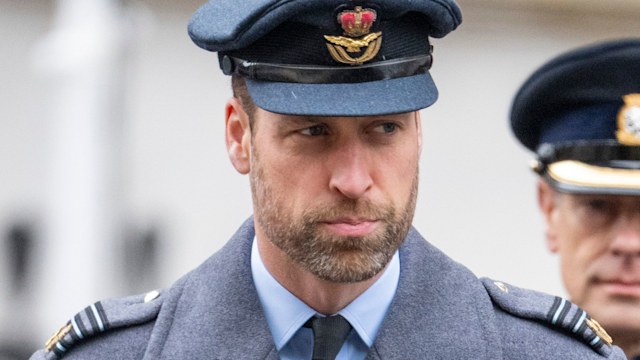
column 588, row 152
column 311, row 74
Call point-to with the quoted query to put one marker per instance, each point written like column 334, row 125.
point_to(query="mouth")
column 351, row 226
column 620, row 287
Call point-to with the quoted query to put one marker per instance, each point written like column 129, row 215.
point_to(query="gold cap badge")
column 629, row 121
column 357, row 25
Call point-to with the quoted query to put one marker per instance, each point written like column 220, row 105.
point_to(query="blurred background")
column 113, row 171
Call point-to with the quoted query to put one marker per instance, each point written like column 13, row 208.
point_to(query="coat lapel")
column 440, row 310
column 214, row 312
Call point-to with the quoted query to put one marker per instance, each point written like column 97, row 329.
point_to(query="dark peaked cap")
column 588, row 77
column 222, row 25
column 298, row 55
column 580, row 113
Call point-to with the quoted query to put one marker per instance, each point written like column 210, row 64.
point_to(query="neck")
column 323, row 296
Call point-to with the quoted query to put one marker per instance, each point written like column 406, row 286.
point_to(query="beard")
column 335, row 258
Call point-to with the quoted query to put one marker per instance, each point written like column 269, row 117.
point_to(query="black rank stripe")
column 599, row 344
column 58, row 352
column 575, row 319
column 582, row 328
column 554, row 308
column 103, row 316
column 73, row 334
column 80, row 323
column 564, row 313
column 92, row 319
column 66, row 344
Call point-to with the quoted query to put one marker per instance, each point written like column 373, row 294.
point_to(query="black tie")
column 329, row 333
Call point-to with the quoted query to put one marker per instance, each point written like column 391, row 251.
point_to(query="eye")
column 596, row 212
column 315, row 130
column 386, row 128
column 599, row 205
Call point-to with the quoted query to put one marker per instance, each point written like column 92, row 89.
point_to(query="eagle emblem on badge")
column 629, row 121
column 358, row 44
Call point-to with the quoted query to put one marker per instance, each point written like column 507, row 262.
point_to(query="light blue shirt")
column 286, row 314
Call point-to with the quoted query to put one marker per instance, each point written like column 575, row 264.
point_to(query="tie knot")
column 329, row 333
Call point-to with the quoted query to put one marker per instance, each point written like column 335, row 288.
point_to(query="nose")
column 626, row 240
column 350, row 171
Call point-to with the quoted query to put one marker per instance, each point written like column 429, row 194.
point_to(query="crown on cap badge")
column 629, row 121
column 357, row 25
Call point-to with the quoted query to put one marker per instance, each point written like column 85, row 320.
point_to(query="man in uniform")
column 325, row 122
column 580, row 113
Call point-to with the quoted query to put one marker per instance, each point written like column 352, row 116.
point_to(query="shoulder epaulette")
column 101, row 317
column 552, row 310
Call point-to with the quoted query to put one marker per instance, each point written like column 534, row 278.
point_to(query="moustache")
column 362, row 210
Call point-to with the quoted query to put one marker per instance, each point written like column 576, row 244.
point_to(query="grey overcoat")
column 440, row 311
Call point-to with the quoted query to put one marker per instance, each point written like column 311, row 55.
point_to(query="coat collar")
column 440, row 308
column 214, row 311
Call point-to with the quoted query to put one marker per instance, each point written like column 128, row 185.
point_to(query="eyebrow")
column 298, row 120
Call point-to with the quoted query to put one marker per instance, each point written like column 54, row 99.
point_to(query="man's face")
column 337, row 195
column 598, row 240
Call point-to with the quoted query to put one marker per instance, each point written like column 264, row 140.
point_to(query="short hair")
column 240, row 91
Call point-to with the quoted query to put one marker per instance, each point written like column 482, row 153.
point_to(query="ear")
column 238, row 136
column 547, row 201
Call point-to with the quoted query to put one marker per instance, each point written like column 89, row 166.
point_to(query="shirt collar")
column 368, row 310
column 285, row 313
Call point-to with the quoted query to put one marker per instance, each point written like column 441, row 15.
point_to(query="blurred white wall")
column 476, row 201
column 21, row 158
